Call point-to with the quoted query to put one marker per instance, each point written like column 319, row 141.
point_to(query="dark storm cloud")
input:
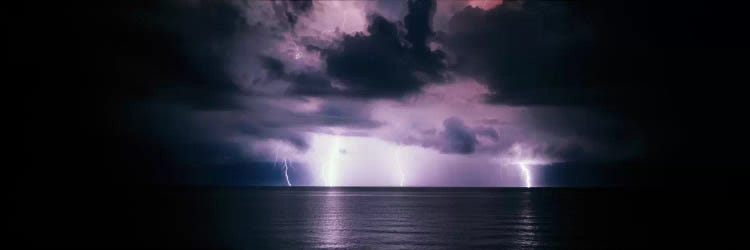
column 182, row 137
column 158, row 64
column 533, row 54
column 289, row 11
column 591, row 134
column 219, row 137
column 274, row 67
column 393, row 10
column 457, row 137
column 333, row 112
column 312, row 84
column 418, row 24
column 604, row 60
column 179, row 54
column 393, row 60
column 388, row 63
column 302, row 6
column 305, row 83
column 181, row 94
column 262, row 131
column 345, row 113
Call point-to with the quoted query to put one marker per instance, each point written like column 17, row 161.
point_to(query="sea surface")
column 381, row 218
column 417, row 218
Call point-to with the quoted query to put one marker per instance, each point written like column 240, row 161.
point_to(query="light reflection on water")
column 526, row 234
column 330, row 222
column 340, row 218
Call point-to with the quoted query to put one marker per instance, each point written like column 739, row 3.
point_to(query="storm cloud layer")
column 243, row 81
column 455, row 85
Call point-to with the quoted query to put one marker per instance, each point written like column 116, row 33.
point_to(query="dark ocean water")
column 418, row 218
column 382, row 218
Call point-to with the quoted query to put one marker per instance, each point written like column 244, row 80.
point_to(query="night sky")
column 376, row 93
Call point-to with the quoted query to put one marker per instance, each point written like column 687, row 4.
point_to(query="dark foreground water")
column 383, row 218
column 424, row 218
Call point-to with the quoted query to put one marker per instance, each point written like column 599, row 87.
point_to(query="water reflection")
column 350, row 218
column 527, row 219
column 331, row 221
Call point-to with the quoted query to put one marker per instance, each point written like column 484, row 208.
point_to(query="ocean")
column 381, row 218
column 417, row 218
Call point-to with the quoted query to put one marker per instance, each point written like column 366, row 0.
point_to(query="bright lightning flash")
column 524, row 157
column 286, row 172
column 285, row 165
column 527, row 174
column 333, row 163
column 400, row 169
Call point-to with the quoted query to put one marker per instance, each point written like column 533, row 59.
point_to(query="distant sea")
column 422, row 218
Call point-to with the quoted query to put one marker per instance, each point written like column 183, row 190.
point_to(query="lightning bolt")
column 399, row 168
column 285, row 165
column 527, row 174
column 333, row 162
column 286, row 172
